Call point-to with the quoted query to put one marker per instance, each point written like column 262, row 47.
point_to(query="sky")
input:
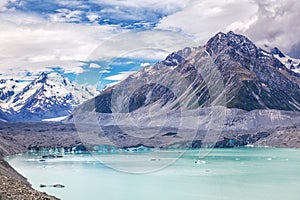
column 104, row 40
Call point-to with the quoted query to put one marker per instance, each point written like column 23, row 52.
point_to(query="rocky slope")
column 254, row 78
column 48, row 96
column 213, row 126
column 228, row 88
column 229, row 70
column 15, row 189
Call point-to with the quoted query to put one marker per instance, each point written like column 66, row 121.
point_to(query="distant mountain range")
column 229, row 70
column 48, row 96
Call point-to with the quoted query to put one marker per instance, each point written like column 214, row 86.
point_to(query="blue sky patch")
column 127, row 17
column 109, row 72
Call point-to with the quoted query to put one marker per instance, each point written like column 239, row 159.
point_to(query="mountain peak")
column 41, row 78
column 49, row 74
column 51, row 79
column 228, row 34
column 223, row 42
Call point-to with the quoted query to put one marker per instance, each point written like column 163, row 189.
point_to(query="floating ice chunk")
column 200, row 162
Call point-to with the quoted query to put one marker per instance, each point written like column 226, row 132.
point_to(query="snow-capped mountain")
column 48, row 96
column 290, row 63
column 9, row 88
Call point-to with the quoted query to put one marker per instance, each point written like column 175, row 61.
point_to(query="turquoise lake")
column 223, row 174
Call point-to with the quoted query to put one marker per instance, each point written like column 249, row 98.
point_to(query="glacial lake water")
column 224, row 174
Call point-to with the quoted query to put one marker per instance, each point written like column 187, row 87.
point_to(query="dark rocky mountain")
column 229, row 70
column 226, row 93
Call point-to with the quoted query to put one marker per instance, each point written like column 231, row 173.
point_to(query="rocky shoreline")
column 14, row 189
column 19, row 138
column 14, row 186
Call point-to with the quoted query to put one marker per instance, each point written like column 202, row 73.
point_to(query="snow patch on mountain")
column 57, row 119
column 8, row 89
column 48, row 96
column 289, row 62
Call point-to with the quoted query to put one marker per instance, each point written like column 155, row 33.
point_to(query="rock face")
column 48, row 96
column 229, row 70
column 256, row 79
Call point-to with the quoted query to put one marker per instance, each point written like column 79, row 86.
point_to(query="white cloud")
column 23, row 67
column 241, row 26
column 105, row 71
column 92, row 17
column 66, row 15
column 271, row 22
column 3, row 4
column 150, row 53
column 167, row 6
column 277, row 24
column 153, row 45
column 29, row 43
column 202, row 19
column 145, row 64
column 94, row 65
column 74, row 3
column 119, row 77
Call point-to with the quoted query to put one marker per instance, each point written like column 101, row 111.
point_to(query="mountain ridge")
column 229, row 70
column 252, row 79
